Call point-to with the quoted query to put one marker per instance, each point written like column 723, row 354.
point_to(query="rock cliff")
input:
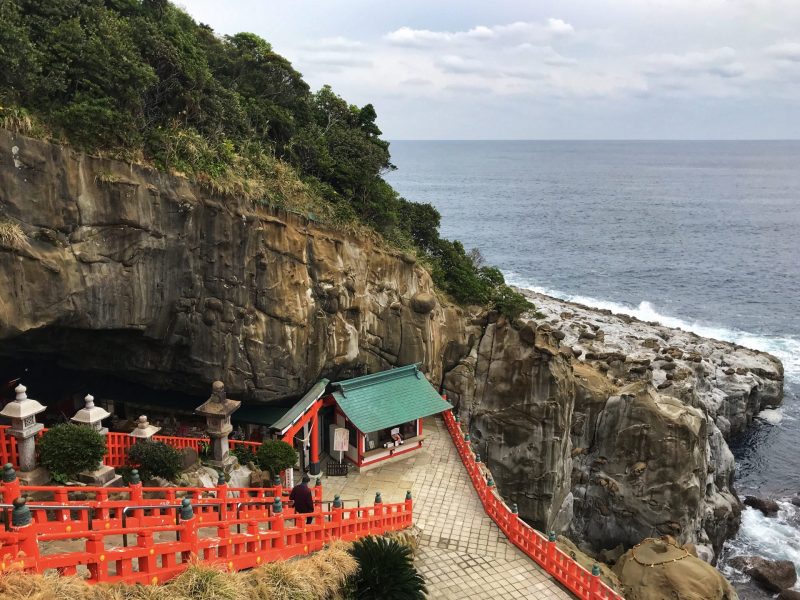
column 636, row 412
column 129, row 270
column 598, row 425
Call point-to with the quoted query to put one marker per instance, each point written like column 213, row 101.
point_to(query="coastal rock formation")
column 518, row 397
column 660, row 570
column 772, row 575
column 600, row 426
column 638, row 413
column 128, row 270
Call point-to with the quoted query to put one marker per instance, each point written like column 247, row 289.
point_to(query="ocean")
column 701, row 235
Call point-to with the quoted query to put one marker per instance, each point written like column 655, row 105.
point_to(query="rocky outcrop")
column 768, row 507
column 637, row 412
column 132, row 271
column 659, row 569
column 518, row 397
column 772, row 575
column 597, row 425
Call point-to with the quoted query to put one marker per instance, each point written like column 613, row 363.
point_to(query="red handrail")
column 542, row 550
column 117, row 445
column 236, row 528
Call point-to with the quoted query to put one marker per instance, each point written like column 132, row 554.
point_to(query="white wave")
column 774, row 538
column 772, row 416
column 786, row 349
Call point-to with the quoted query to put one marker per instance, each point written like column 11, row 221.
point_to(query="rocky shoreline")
column 612, row 429
column 697, row 385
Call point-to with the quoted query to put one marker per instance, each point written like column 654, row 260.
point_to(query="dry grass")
column 407, row 537
column 318, row 577
column 18, row 121
column 12, row 237
column 321, row 576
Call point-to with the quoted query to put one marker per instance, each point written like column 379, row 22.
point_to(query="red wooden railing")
column 117, row 445
column 544, row 551
column 119, row 534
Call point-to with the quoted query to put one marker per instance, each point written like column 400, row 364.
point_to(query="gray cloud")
column 789, row 51
column 553, row 69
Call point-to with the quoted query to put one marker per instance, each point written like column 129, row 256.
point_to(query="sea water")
column 704, row 236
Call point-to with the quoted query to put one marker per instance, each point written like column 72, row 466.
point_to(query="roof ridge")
column 379, row 377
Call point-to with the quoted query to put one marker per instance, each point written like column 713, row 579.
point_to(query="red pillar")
column 314, row 466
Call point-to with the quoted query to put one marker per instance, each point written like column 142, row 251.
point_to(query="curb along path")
column 462, row 551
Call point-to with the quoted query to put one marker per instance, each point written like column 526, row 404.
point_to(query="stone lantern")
column 143, row 430
column 92, row 416
column 218, row 410
column 22, row 411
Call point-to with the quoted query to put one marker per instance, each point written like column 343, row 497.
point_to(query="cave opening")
column 60, row 367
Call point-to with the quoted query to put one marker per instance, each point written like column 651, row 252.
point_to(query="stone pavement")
column 462, row 554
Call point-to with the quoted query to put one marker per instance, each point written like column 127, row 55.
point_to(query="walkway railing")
column 543, row 550
column 128, row 535
column 117, row 446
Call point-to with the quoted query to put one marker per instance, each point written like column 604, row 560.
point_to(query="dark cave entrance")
column 63, row 387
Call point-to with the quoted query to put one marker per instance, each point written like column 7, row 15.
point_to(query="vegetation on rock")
column 142, row 81
column 155, row 459
column 67, row 449
column 275, row 456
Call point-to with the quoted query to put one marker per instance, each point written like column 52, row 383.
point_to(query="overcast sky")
column 541, row 69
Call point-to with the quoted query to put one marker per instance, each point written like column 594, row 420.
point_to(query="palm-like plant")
column 386, row 571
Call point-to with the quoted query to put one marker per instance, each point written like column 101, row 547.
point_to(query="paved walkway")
column 462, row 554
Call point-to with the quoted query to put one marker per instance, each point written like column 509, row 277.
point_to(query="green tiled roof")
column 388, row 398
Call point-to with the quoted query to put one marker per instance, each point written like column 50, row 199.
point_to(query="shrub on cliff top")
column 67, row 449
column 155, row 459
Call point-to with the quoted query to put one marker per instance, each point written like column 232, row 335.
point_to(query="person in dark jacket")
column 302, row 498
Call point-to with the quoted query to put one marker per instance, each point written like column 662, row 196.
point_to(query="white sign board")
column 341, row 439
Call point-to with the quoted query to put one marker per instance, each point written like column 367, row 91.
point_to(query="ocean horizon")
column 699, row 235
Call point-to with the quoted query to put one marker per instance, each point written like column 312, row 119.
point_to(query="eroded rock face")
column 132, row 271
column 518, row 400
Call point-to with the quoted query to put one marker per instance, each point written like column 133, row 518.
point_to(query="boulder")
column 189, row 457
column 423, row 302
column 796, row 500
column 659, row 569
column 765, row 505
column 789, row 595
column 772, row 575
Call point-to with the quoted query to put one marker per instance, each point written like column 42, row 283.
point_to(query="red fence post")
column 10, row 484
column 98, row 567
column 551, row 549
column 22, row 525
column 278, row 525
column 594, row 586
column 336, row 517
column 222, row 496
column 189, row 529
column 377, row 527
column 409, row 508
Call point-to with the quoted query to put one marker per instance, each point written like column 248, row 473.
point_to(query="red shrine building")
column 365, row 421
